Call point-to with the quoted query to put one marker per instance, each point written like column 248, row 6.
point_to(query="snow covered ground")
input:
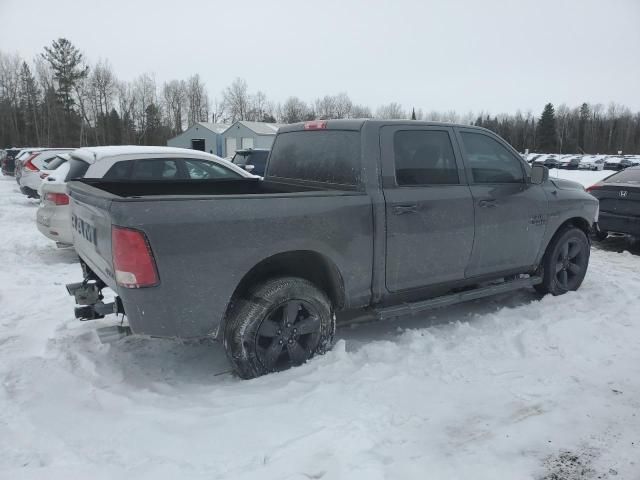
column 511, row 387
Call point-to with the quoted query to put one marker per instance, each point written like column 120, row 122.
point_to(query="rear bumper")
column 609, row 222
column 55, row 225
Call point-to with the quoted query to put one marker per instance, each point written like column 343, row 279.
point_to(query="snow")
column 585, row 177
column 511, row 387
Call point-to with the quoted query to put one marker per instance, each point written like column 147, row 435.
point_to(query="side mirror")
column 539, row 174
column 249, row 168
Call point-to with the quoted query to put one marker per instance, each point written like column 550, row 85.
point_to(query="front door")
column 429, row 209
column 510, row 212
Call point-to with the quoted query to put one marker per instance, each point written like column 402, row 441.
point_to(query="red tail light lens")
column 57, row 198
column 29, row 165
column 593, row 187
column 315, row 125
column 133, row 259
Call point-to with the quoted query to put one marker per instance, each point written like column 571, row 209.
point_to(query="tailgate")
column 91, row 224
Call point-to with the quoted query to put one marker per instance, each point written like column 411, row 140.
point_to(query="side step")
column 451, row 299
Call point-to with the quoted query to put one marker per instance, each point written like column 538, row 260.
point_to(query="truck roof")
column 358, row 123
column 92, row 155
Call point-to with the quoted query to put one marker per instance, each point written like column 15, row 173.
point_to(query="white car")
column 591, row 162
column 120, row 164
column 28, row 169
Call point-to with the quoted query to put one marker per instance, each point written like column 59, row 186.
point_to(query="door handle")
column 491, row 203
column 402, row 209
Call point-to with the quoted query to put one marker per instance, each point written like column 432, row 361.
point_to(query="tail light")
column 593, row 187
column 133, row 259
column 57, row 198
column 29, row 165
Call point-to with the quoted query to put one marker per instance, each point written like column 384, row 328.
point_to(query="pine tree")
column 68, row 69
column 413, row 114
column 29, row 93
column 585, row 114
column 547, row 135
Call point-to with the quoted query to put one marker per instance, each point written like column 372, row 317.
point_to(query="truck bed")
column 137, row 188
column 207, row 235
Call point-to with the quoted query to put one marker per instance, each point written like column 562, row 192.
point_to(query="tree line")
column 60, row 99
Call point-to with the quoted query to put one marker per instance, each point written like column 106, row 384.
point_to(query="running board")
column 451, row 299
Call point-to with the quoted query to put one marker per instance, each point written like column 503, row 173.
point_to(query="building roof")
column 95, row 154
column 215, row 127
column 261, row 128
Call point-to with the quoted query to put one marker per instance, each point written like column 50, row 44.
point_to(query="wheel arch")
column 310, row 265
column 577, row 222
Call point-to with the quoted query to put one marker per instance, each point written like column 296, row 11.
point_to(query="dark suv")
column 253, row 160
column 9, row 162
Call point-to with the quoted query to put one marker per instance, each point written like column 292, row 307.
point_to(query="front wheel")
column 282, row 323
column 565, row 262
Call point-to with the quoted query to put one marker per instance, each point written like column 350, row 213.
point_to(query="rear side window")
column 148, row 169
column 424, row 157
column 490, row 161
column 55, row 163
column 327, row 156
column 77, row 169
column 630, row 175
column 203, row 170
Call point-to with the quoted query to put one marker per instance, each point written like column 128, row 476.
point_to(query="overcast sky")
column 491, row 55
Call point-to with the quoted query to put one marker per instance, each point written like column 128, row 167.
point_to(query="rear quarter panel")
column 205, row 246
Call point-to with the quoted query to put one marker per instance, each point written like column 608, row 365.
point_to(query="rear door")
column 510, row 212
column 429, row 208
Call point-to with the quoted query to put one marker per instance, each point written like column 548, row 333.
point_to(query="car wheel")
column 565, row 262
column 281, row 324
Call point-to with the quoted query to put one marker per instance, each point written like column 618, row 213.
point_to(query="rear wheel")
column 565, row 262
column 283, row 323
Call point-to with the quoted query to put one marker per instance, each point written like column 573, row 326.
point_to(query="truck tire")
column 282, row 323
column 565, row 262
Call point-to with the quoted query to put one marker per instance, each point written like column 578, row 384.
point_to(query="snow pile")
column 511, row 387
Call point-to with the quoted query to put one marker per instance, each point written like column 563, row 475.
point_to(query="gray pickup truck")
column 392, row 217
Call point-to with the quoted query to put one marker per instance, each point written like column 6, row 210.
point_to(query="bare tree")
column 294, row 110
column 175, row 103
column 391, row 111
column 236, row 100
column 197, row 101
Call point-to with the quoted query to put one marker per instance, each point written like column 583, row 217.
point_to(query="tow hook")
column 85, row 293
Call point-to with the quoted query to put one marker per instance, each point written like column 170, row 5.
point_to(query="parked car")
column 29, row 165
column 53, row 218
column 121, row 164
column 8, row 163
column 619, row 196
column 591, row 162
column 569, row 162
column 253, row 160
column 549, row 161
column 394, row 217
column 617, row 162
